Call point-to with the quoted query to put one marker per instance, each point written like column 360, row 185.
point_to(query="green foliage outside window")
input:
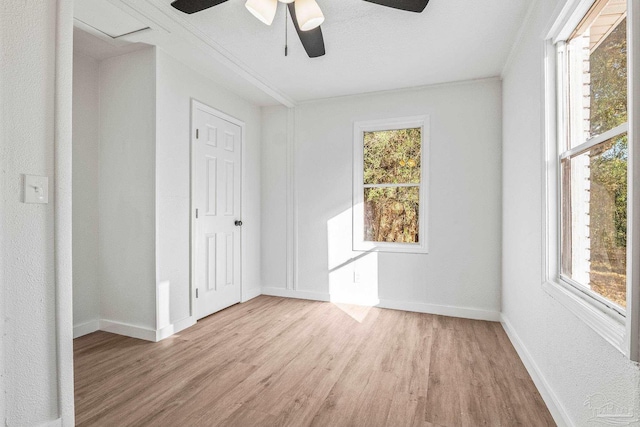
column 391, row 213
column 608, row 164
column 608, row 89
column 392, row 157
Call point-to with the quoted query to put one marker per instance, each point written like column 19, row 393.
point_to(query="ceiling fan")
column 305, row 14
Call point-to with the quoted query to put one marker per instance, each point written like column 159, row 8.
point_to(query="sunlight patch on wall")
column 353, row 275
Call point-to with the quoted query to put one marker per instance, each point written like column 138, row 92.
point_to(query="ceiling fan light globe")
column 309, row 14
column 312, row 23
column 264, row 10
column 286, row 1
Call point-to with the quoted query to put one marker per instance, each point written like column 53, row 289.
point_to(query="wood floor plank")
column 403, row 410
column 374, row 403
column 447, row 380
column 286, row 362
column 187, row 401
column 244, row 417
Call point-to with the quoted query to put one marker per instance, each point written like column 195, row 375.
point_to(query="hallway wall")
column 86, row 173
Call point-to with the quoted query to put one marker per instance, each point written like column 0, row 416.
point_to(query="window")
column 594, row 152
column 589, row 161
column 389, row 192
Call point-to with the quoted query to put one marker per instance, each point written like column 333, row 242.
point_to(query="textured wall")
column 127, row 189
column 27, row 49
column 86, row 146
column 575, row 360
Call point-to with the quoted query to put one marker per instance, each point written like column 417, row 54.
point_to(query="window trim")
column 596, row 140
column 623, row 332
column 359, row 128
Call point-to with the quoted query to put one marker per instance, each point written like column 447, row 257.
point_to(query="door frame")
column 195, row 104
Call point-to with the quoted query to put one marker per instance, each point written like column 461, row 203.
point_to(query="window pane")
column 594, row 219
column 598, row 73
column 392, row 156
column 391, row 214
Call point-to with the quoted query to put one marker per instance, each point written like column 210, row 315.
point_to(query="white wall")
column 462, row 268
column 29, row 376
column 574, row 360
column 86, row 147
column 274, row 197
column 127, row 189
column 136, row 180
column 177, row 85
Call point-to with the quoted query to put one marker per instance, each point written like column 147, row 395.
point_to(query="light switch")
column 36, row 189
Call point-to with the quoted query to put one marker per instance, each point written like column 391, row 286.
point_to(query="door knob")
column 238, row 223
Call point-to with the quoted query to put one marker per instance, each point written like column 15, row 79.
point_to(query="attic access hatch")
column 100, row 16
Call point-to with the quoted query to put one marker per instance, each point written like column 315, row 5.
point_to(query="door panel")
column 229, row 190
column 212, row 184
column 230, row 260
column 217, row 186
column 212, row 251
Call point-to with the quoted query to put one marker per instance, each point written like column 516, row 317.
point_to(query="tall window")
column 593, row 156
column 390, row 186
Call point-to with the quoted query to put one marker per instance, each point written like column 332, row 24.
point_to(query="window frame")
column 359, row 128
column 620, row 330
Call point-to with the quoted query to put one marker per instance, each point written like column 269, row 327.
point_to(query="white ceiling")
column 99, row 48
column 369, row 47
column 107, row 17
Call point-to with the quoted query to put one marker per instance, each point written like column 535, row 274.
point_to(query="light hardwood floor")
column 287, row 362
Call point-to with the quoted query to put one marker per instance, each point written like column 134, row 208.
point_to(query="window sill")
column 403, row 248
column 610, row 326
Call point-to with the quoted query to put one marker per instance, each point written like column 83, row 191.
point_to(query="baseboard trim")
column 442, row 310
column 558, row 412
column 288, row 293
column 183, row 324
column 417, row 307
column 131, row 330
column 250, row 294
column 165, row 332
column 86, row 328
column 128, row 330
column 351, row 300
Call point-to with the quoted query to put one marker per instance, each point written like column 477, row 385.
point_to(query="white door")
column 217, row 171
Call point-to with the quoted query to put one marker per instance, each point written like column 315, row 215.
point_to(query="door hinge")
column 196, row 292
column 197, row 133
column 196, row 213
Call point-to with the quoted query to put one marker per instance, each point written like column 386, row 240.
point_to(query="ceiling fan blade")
column 193, row 6
column 408, row 5
column 312, row 40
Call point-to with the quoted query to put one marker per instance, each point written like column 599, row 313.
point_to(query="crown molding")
column 161, row 16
